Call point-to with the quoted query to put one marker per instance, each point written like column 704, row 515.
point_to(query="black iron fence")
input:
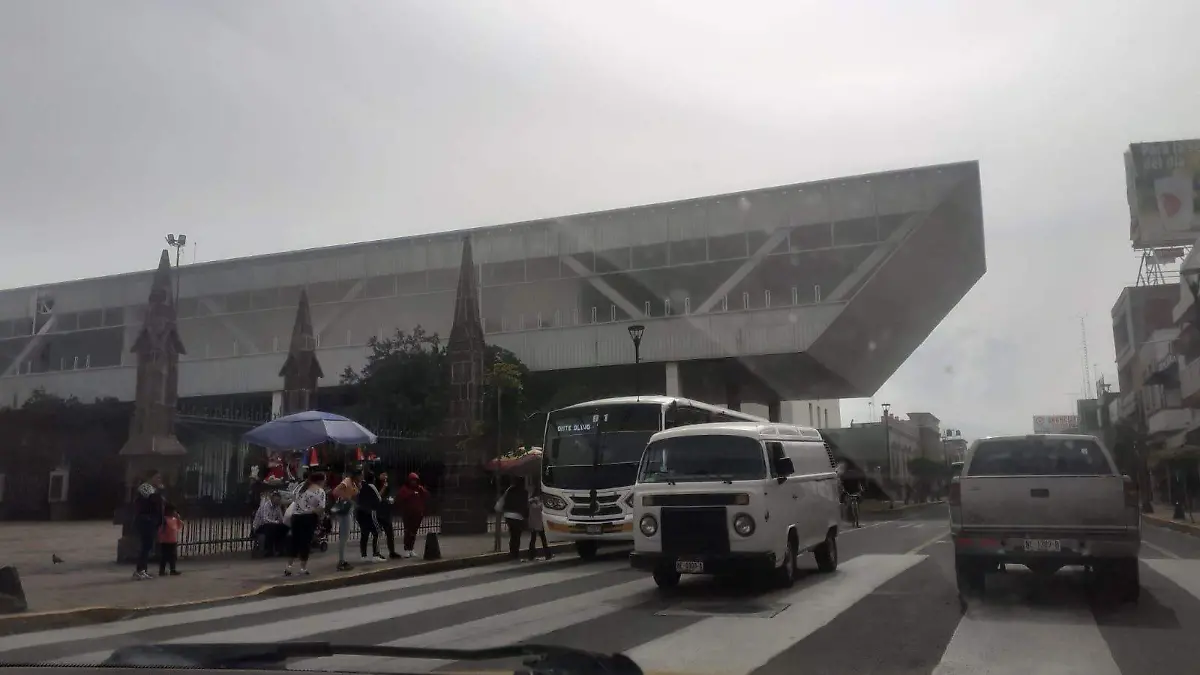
column 217, row 491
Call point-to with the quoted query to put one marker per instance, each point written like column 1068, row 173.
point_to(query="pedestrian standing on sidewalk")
column 536, row 528
column 515, row 508
column 147, row 518
column 307, row 510
column 365, row 511
column 413, row 498
column 386, row 500
column 344, row 496
column 168, row 541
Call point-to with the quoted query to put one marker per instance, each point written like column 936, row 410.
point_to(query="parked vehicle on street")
column 590, row 460
column 1045, row 501
column 731, row 499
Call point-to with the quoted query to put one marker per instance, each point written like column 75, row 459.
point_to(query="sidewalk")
column 88, row 584
column 1162, row 517
column 878, row 506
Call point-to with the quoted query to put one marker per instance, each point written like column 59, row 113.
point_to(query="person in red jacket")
column 412, row 499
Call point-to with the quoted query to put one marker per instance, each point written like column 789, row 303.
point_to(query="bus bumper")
column 561, row 528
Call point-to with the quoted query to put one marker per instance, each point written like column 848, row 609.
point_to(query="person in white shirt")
column 306, row 514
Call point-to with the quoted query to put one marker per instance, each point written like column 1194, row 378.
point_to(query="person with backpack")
column 344, row 495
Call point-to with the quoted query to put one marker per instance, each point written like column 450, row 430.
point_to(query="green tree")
column 403, row 384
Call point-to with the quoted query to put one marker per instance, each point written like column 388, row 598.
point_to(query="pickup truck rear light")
column 1131, row 492
column 955, row 493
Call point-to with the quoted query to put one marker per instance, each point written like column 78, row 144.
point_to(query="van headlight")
column 743, row 524
column 553, row 502
column 648, row 525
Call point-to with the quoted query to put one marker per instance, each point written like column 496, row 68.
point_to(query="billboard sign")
column 1055, row 424
column 1162, row 181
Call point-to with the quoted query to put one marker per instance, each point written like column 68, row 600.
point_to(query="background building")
column 806, row 292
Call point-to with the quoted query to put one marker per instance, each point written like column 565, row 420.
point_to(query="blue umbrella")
column 306, row 429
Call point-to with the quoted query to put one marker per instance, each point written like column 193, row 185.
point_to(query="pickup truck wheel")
column 786, row 573
column 666, row 579
column 827, row 554
column 970, row 575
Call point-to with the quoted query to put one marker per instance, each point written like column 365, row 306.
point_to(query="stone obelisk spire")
column 301, row 370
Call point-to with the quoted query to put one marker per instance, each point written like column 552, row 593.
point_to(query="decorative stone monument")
column 152, row 443
column 301, row 370
column 465, row 485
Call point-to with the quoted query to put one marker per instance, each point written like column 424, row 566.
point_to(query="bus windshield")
column 619, row 434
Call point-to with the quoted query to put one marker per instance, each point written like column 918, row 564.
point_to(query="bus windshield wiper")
column 538, row 659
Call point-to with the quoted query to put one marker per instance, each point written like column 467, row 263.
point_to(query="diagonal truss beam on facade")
column 877, row 256
column 33, row 344
column 746, row 268
column 241, row 335
column 601, row 285
column 340, row 308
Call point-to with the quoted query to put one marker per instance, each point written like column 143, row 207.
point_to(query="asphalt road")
column 890, row 608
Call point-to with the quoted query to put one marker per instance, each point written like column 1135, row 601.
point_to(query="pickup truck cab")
column 736, row 498
column 1044, row 501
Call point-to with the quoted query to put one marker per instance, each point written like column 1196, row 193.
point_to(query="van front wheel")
column 827, row 553
column 786, row 573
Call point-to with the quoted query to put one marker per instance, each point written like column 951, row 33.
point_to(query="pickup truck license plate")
column 1043, row 545
column 689, row 566
column 593, row 529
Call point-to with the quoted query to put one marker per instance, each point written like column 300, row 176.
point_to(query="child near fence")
column 168, row 541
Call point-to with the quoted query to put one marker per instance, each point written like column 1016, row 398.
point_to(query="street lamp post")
column 635, row 334
column 177, row 242
column 887, row 444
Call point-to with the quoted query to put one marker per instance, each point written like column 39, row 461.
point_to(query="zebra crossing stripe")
column 312, row 623
column 725, row 645
column 497, row 630
column 1023, row 639
column 64, row 635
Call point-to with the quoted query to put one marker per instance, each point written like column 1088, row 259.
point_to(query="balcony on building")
column 1165, row 412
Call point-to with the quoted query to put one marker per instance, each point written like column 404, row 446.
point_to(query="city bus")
column 590, row 458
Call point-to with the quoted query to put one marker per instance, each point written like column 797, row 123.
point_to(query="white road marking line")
column 940, row 535
column 184, row 617
column 1018, row 640
column 496, row 630
column 1156, row 547
column 730, row 645
column 1183, row 573
column 312, row 623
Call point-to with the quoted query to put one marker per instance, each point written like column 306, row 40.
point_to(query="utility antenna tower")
column 1087, row 369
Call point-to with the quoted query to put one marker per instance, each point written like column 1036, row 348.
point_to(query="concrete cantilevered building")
column 816, row 290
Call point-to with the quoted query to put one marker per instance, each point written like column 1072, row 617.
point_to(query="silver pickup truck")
column 1045, row 501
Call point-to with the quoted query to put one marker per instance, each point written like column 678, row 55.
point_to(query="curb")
column 1162, row 521
column 86, row 616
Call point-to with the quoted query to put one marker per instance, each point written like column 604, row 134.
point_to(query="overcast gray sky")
column 264, row 126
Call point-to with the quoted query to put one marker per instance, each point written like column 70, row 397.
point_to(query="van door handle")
column 1039, row 492
column 795, row 496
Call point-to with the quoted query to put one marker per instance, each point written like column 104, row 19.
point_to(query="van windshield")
column 1039, row 457
column 701, row 458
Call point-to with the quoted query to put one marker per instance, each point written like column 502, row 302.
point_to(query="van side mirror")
column 784, row 467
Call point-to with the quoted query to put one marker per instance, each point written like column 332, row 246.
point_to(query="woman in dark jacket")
column 368, row 525
column 515, row 507
column 148, row 506
column 384, row 512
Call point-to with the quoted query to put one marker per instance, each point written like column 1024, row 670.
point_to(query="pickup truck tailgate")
column 1045, row 502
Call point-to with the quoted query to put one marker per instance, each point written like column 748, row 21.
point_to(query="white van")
column 735, row 498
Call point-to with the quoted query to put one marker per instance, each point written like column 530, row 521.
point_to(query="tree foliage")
column 403, row 383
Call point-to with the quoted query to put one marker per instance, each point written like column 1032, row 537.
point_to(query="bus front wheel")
column 586, row 549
